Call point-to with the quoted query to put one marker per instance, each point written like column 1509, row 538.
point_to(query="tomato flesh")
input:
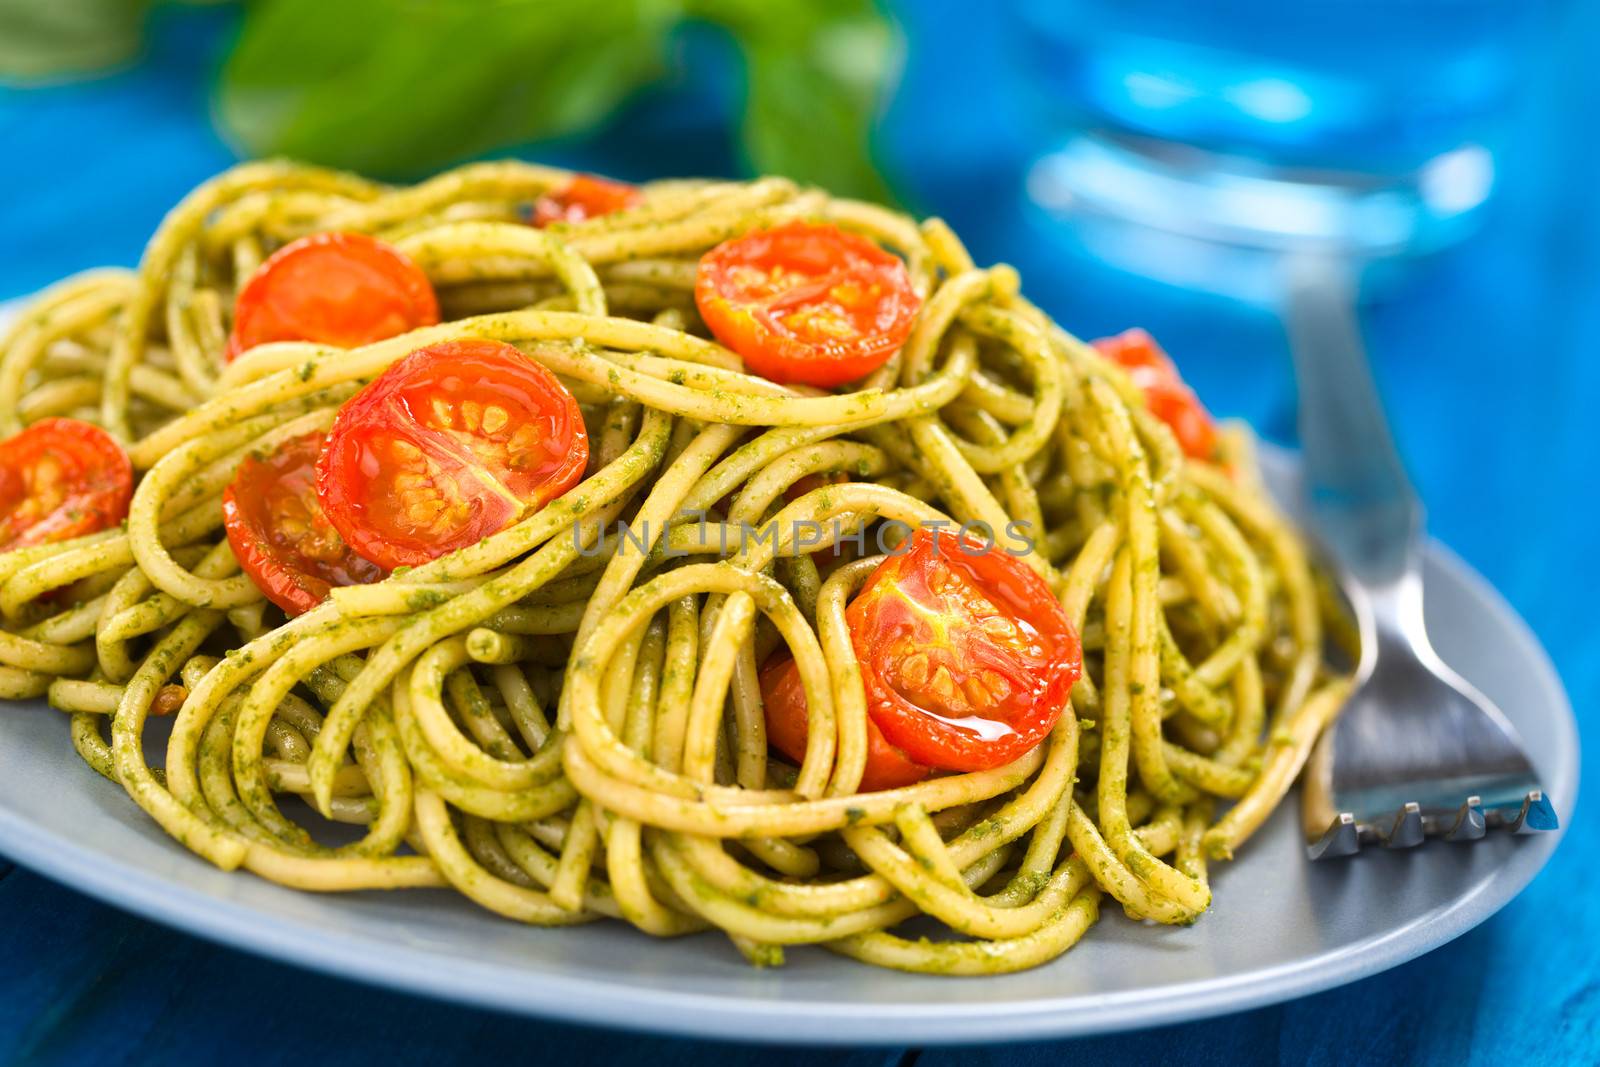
column 806, row 302
column 1166, row 395
column 783, row 696
column 60, row 479
column 451, row 444
column 966, row 656
column 344, row 289
column 279, row 534
column 585, row 197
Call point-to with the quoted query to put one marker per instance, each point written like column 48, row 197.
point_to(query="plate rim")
column 657, row 1010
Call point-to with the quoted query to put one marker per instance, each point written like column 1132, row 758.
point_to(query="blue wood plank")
column 83, row 983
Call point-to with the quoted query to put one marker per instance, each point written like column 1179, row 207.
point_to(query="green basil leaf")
column 391, row 88
column 815, row 73
column 42, row 40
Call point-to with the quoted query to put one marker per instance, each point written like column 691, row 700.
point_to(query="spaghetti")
column 564, row 719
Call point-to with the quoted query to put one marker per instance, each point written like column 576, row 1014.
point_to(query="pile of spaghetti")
column 695, row 554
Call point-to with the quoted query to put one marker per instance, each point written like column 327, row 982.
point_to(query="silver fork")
column 1418, row 752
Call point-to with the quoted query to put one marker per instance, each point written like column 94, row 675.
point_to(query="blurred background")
column 1142, row 162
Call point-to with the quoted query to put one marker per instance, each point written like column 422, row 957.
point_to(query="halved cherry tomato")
column 1165, row 393
column 585, row 197
column 279, row 534
column 806, row 302
column 784, row 699
column 60, row 479
column 966, row 655
column 344, row 289
column 451, row 444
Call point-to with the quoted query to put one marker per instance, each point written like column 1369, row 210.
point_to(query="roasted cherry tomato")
column 59, row 479
column 451, row 444
column 806, row 302
column 169, row 699
column 279, row 534
column 966, row 655
column 784, row 699
column 585, row 197
column 1165, row 393
column 344, row 289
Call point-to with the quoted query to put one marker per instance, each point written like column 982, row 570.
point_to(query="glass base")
column 1203, row 220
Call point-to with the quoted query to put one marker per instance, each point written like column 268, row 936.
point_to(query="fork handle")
column 1365, row 508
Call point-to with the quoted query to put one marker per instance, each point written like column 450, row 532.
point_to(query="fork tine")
column 1537, row 815
column 1408, row 827
column 1469, row 824
column 1406, row 830
column 1342, row 838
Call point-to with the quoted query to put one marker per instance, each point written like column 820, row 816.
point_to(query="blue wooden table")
column 1488, row 359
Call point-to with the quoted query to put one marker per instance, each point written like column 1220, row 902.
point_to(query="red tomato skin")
column 281, row 566
column 1176, row 405
column 1135, row 348
column 344, row 289
column 398, row 411
column 1166, row 395
column 587, row 196
column 752, row 323
column 783, row 696
column 888, row 632
column 99, row 485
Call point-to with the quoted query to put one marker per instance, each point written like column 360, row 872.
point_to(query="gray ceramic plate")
column 1280, row 926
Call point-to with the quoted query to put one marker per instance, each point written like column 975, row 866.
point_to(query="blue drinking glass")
column 1363, row 129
